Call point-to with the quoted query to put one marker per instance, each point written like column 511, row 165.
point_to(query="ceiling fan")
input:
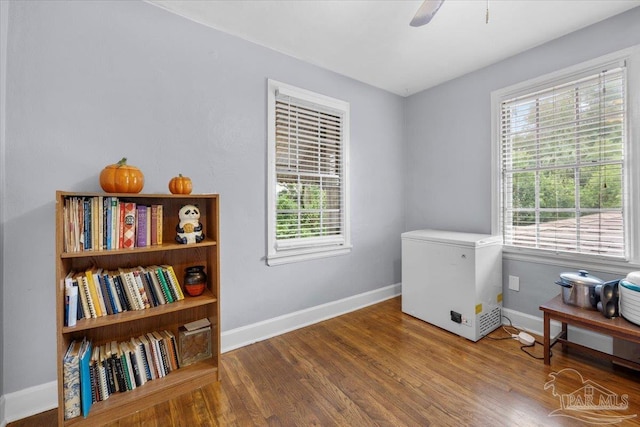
column 427, row 11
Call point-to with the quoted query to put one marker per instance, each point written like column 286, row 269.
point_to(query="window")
column 308, row 137
column 563, row 164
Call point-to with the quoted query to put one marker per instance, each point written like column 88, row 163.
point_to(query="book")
column 172, row 346
column 122, row 296
column 126, row 366
column 93, row 373
column 86, row 212
column 150, row 288
column 154, row 225
column 121, row 209
column 141, row 288
column 112, row 292
column 131, row 289
column 95, row 222
column 105, row 360
column 94, row 293
column 101, row 220
column 90, row 311
column 113, row 225
column 94, row 233
column 136, row 362
column 102, row 297
column 164, row 352
column 175, row 284
column 106, row 228
column 106, row 292
column 102, row 375
column 138, row 290
column 143, row 368
column 107, row 223
column 141, row 226
column 129, row 227
column 71, row 380
column 148, row 226
column 96, row 272
column 198, row 324
column 157, row 288
column 152, row 372
column 134, row 369
column 172, row 292
column 67, row 226
column 70, row 300
column 85, row 377
column 121, row 384
column 80, row 309
column 160, row 224
column 157, row 356
column 163, row 284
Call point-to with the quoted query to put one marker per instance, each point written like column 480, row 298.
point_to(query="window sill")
column 299, row 255
column 591, row 262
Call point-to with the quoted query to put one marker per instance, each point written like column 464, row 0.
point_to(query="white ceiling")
column 371, row 41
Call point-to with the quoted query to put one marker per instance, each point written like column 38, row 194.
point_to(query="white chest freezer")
column 453, row 280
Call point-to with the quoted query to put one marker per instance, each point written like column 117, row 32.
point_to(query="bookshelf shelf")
column 157, row 248
column 133, row 323
column 132, row 316
column 152, row 393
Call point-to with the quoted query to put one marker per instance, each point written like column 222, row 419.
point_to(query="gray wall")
column 448, row 146
column 91, row 82
column 4, row 25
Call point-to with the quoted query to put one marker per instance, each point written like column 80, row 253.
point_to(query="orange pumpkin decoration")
column 180, row 185
column 121, row 178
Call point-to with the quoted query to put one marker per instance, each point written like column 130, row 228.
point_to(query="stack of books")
column 104, row 223
column 92, row 375
column 97, row 292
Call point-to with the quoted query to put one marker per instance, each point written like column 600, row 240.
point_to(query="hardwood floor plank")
column 380, row 367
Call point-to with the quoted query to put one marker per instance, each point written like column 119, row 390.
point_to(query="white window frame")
column 631, row 58
column 283, row 251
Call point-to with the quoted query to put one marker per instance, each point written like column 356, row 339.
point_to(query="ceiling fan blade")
column 426, row 12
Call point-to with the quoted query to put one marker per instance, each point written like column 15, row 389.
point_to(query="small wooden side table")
column 567, row 314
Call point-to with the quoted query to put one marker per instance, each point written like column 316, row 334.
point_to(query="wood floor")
column 380, row 367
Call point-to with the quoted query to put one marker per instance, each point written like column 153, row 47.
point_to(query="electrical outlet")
column 514, row 283
column 456, row 317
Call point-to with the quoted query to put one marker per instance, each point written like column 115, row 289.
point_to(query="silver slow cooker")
column 579, row 288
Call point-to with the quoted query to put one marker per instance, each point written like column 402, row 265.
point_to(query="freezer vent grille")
column 489, row 320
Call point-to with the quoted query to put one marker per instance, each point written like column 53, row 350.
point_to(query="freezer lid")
column 453, row 237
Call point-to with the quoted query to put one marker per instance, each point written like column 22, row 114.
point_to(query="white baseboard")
column 535, row 325
column 34, row 400
column 30, row 401
column 249, row 334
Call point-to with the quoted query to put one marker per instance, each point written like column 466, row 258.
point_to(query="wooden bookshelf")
column 123, row 326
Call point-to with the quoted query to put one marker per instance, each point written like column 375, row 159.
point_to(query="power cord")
column 524, row 338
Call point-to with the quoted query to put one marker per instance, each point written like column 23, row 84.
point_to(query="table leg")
column 565, row 335
column 547, row 339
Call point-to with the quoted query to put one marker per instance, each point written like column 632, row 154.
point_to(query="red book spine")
column 129, row 231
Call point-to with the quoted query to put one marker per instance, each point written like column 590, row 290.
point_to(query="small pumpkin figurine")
column 180, row 185
column 121, row 178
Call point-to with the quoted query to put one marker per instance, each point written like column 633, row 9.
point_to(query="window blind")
column 562, row 166
column 309, row 174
